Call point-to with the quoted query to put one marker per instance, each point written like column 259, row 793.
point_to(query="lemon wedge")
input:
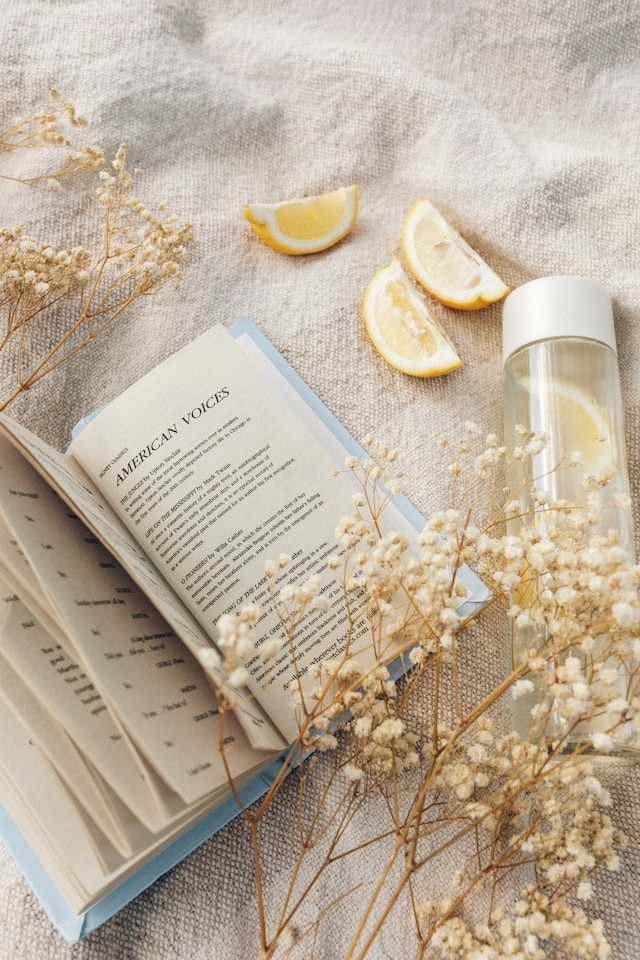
column 582, row 424
column 307, row 225
column 446, row 266
column 402, row 328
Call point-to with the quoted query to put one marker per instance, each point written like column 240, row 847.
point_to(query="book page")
column 60, row 750
column 399, row 513
column 44, row 799
column 17, row 574
column 213, row 474
column 64, row 475
column 144, row 673
column 72, row 699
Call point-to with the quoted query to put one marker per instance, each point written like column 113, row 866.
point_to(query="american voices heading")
column 170, row 432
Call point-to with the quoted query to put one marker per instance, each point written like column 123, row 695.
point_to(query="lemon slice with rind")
column 575, row 422
column 307, row 225
column 402, row 329
column 446, row 266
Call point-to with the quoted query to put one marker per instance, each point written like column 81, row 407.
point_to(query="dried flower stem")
column 510, row 803
column 141, row 253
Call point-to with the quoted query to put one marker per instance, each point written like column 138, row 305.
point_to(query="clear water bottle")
column 561, row 378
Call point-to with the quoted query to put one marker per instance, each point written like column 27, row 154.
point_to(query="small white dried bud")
column 417, row 655
column 625, row 614
column 352, row 772
column 209, row 659
column 521, row 688
column 362, row 727
column 389, row 729
column 270, row 648
column 602, row 742
column 326, row 742
column 239, row 677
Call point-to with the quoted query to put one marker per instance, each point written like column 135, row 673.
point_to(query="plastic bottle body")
column 564, row 388
column 569, row 389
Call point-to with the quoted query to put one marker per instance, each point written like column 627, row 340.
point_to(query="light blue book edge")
column 74, row 927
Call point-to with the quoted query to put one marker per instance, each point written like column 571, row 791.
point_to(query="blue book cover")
column 308, row 406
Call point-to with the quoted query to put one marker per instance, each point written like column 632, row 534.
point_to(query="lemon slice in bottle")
column 402, row 329
column 444, row 264
column 585, row 426
column 307, row 225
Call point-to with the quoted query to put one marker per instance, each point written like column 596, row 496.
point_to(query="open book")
column 116, row 561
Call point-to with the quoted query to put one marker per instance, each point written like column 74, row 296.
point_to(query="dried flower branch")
column 522, row 813
column 44, row 128
column 79, row 291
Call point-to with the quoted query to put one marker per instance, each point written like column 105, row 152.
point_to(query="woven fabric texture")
column 519, row 121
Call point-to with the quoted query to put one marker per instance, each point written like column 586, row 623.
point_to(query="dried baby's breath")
column 77, row 289
column 50, row 124
column 523, row 814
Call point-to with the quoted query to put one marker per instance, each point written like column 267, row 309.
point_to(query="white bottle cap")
column 557, row 307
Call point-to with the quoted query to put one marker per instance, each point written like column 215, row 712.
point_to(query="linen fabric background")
column 519, row 121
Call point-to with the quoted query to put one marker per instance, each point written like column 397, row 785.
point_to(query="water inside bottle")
column 569, row 389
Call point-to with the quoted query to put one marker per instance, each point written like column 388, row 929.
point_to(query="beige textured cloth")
column 519, row 121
